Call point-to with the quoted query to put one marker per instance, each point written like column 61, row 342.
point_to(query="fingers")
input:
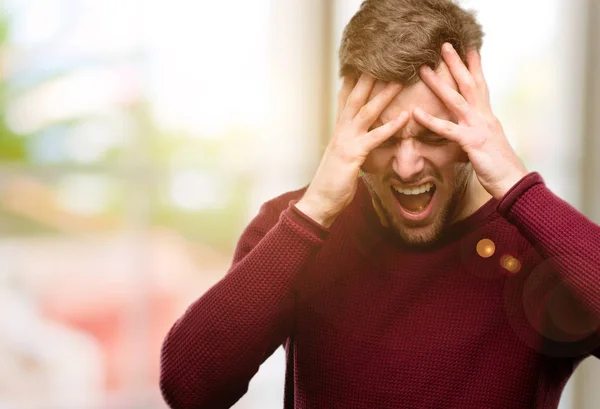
column 474, row 62
column 369, row 113
column 455, row 102
column 444, row 128
column 380, row 134
column 358, row 97
column 460, row 73
column 343, row 97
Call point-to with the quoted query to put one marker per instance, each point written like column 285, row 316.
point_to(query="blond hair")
column 391, row 39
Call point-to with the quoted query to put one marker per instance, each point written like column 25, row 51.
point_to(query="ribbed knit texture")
column 368, row 322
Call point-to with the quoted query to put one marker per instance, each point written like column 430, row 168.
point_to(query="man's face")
column 413, row 157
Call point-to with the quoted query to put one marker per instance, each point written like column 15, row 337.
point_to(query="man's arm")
column 560, row 233
column 211, row 353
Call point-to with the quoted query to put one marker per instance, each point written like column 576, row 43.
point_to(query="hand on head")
column 335, row 182
column 458, row 100
column 477, row 131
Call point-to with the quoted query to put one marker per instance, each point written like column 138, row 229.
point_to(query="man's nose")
column 408, row 162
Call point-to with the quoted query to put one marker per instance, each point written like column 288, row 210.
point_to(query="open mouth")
column 415, row 202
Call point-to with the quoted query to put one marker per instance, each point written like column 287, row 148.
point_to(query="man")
column 446, row 276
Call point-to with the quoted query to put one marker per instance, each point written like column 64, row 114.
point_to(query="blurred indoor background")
column 139, row 137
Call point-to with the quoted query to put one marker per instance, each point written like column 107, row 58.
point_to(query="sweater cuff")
column 510, row 198
column 303, row 224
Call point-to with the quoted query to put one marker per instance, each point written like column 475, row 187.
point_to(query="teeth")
column 415, row 190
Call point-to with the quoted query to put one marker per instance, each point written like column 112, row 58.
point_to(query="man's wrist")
column 315, row 212
column 509, row 183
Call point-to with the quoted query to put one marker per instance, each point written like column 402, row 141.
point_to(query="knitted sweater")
column 369, row 322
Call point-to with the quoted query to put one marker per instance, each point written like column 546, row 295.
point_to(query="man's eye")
column 388, row 143
column 436, row 141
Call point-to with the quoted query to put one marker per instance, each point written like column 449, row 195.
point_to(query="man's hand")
column 478, row 132
column 335, row 182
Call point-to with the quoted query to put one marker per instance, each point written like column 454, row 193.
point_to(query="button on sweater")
column 497, row 314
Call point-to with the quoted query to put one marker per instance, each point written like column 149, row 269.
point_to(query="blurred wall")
column 586, row 394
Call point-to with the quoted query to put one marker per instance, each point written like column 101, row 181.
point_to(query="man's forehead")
column 416, row 95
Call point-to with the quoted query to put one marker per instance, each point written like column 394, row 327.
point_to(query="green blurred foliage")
column 148, row 172
column 12, row 146
column 173, row 152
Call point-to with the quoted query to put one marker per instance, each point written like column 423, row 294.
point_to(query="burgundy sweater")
column 368, row 322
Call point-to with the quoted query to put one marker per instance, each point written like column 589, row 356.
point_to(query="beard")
column 416, row 234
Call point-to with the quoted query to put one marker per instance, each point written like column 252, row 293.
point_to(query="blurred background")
column 139, row 137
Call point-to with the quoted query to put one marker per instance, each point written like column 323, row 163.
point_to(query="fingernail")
column 448, row 47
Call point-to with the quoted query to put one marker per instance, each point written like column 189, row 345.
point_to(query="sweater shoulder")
column 510, row 240
column 265, row 220
column 280, row 203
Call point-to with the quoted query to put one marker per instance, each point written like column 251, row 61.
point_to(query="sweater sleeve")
column 560, row 233
column 211, row 353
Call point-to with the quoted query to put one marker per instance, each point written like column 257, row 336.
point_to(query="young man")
column 445, row 276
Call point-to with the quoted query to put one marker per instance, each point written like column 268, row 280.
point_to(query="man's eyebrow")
column 424, row 132
column 421, row 133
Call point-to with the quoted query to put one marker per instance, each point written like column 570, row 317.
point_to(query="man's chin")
column 422, row 235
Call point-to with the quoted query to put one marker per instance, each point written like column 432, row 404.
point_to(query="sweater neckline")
column 373, row 233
